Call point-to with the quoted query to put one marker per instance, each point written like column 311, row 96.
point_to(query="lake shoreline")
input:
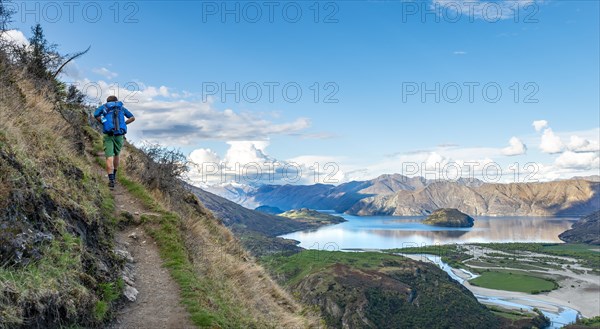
column 388, row 232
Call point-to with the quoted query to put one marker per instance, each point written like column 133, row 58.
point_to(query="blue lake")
column 383, row 232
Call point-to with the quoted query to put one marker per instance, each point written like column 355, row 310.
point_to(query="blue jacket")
column 113, row 116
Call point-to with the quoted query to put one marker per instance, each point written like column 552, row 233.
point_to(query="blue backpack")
column 113, row 119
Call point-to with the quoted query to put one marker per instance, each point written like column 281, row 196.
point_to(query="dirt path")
column 158, row 303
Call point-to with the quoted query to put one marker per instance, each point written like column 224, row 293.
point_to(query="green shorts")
column 112, row 145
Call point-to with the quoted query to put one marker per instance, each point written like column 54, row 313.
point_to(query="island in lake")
column 449, row 217
column 312, row 216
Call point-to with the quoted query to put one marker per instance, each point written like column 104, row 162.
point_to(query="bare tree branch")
column 79, row 54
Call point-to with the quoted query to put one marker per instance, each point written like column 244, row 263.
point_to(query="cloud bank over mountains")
column 176, row 118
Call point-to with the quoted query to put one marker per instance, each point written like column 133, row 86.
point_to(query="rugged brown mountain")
column 568, row 197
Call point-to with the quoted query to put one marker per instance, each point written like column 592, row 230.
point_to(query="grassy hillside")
column 57, row 265
column 56, row 215
column 241, row 219
column 221, row 284
column 256, row 230
column 377, row 290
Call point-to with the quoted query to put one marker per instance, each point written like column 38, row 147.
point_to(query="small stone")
column 102, row 267
column 128, row 280
column 130, row 293
column 128, row 271
column 124, row 254
column 136, row 213
column 133, row 236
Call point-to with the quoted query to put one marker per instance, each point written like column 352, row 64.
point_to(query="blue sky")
column 364, row 52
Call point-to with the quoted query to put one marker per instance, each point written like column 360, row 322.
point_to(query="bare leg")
column 110, row 165
column 116, row 162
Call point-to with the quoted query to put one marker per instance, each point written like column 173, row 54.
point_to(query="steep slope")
column 376, row 290
column 586, row 230
column 568, row 197
column 57, row 265
column 256, row 230
column 239, row 218
column 222, row 285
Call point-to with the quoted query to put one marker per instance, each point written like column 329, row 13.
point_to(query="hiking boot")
column 111, row 184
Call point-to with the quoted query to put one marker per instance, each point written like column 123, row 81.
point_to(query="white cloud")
column 459, row 52
column 105, row 73
column 320, row 169
column 247, row 162
column 16, row 37
column 438, row 163
column 551, row 143
column 583, row 161
column 516, row 147
column 200, row 156
column 176, row 121
column 539, row 125
column 245, row 152
column 579, row 144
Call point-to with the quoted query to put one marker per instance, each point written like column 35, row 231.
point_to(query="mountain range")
column 399, row 195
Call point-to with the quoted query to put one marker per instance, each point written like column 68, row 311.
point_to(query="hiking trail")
column 158, row 303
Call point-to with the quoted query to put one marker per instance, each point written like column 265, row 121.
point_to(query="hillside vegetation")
column 377, row 290
column 58, row 265
column 56, row 231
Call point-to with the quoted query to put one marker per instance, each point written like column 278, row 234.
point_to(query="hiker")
column 112, row 117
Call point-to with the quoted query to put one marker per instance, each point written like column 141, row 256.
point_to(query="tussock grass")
column 54, row 276
column 46, row 175
column 221, row 284
column 47, row 185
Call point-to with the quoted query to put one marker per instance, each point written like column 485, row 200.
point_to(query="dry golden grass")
column 50, row 186
column 43, row 142
column 236, row 277
column 245, row 281
column 41, row 137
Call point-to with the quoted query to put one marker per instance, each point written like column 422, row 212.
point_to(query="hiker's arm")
column 98, row 114
column 129, row 115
